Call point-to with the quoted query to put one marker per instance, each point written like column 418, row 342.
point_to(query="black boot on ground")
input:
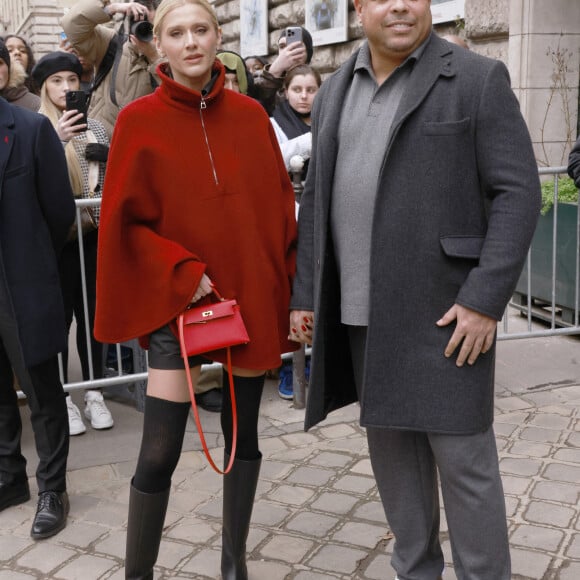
column 13, row 492
column 13, row 481
column 144, row 528
column 239, row 492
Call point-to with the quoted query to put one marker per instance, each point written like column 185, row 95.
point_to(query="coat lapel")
column 330, row 115
column 336, row 91
column 435, row 61
column 6, row 138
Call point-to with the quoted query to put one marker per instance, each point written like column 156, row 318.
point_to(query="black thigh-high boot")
column 144, row 528
column 163, row 427
column 241, row 482
column 239, row 492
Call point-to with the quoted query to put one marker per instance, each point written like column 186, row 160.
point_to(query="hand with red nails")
column 205, row 287
column 301, row 326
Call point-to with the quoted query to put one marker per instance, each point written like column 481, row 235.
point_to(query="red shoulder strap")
column 194, row 405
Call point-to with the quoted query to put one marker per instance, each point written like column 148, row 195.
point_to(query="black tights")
column 164, row 427
column 248, row 391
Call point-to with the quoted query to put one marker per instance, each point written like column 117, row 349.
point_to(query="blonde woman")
column 183, row 209
column 86, row 149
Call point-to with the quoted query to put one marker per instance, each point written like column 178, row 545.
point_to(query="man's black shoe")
column 13, row 493
column 50, row 515
column 210, row 400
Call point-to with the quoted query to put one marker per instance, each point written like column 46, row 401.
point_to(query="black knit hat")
column 53, row 63
column 4, row 54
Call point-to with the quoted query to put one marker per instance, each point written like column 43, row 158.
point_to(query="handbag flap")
column 209, row 312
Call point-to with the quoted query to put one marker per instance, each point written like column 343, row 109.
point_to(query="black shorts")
column 165, row 354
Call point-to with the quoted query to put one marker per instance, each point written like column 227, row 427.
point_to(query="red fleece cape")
column 176, row 206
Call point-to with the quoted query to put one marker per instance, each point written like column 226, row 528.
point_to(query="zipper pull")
column 202, row 104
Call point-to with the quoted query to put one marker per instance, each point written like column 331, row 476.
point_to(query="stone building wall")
column 520, row 33
column 544, row 59
column 282, row 13
column 525, row 34
column 486, row 29
column 36, row 20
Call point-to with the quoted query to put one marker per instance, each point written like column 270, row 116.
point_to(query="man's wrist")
column 275, row 70
column 107, row 7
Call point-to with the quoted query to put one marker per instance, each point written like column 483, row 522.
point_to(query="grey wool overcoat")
column 457, row 204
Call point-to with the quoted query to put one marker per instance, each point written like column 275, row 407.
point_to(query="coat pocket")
column 446, row 128
column 467, row 247
column 16, row 171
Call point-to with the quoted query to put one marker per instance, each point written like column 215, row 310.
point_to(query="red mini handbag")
column 202, row 329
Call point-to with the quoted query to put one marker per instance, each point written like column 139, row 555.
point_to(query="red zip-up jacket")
column 196, row 183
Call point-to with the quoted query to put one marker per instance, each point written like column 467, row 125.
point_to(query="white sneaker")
column 76, row 424
column 96, row 411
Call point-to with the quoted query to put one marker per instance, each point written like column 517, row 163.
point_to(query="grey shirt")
column 365, row 125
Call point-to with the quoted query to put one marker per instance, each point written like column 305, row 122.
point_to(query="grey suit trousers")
column 405, row 465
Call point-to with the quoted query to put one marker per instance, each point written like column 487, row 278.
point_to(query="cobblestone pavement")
column 317, row 513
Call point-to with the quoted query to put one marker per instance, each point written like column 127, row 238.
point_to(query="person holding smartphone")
column 125, row 62
column 86, row 147
column 294, row 48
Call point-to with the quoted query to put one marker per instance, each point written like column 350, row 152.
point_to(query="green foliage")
column 567, row 193
column 459, row 23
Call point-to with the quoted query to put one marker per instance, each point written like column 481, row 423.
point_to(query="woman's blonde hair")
column 167, row 6
column 75, row 174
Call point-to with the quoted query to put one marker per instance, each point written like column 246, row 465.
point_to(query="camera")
column 141, row 29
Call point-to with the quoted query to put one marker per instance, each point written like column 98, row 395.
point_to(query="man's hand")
column 301, row 326
column 147, row 49
column 476, row 330
column 289, row 56
column 134, row 9
column 66, row 126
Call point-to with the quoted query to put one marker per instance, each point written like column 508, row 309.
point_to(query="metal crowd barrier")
column 537, row 324
column 549, row 314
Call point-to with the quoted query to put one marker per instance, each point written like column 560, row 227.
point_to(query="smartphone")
column 77, row 100
column 293, row 34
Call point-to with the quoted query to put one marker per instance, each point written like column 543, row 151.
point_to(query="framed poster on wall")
column 447, row 10
column 253, row 27
column 326, row 20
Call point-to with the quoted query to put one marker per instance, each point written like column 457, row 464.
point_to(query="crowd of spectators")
column 107, row 50
column 108, row 54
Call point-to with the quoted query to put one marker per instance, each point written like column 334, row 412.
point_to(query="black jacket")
column 574, row 163
column 36, row 211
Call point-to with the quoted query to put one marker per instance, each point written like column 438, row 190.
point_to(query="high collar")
column 179, row 95
column 11, row 94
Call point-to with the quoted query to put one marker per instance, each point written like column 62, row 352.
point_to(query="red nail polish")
column 294, row 331
column 306, row 319
column 304, row 329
